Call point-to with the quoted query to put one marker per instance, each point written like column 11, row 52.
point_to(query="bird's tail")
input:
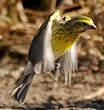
column 19, row 93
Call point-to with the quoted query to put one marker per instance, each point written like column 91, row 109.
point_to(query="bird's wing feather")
column 40, row 53
column 69, row 63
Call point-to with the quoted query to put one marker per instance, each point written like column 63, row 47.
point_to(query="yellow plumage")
column 66, row 33
column 62, row 40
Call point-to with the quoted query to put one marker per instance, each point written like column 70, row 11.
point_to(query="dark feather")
column 40, row 53
column 19, row 93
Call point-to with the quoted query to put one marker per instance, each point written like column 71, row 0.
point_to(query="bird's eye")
column 85, row 24
column 63, row 18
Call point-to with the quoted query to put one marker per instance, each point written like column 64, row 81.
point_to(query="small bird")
column 55, row 40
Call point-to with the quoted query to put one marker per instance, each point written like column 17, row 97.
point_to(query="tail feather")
column 19, row 93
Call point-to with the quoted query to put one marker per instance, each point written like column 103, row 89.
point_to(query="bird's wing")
column 40, row 53
column 69, row 63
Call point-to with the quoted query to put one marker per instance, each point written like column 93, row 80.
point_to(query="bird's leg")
column 56, row 69
column 57, row 66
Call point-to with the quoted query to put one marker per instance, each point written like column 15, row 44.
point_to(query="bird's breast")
column 61, row 42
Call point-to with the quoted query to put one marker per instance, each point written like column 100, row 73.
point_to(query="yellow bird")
column 55, row 40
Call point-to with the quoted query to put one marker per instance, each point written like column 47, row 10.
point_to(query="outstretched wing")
column 69, row 63
column 40, row 53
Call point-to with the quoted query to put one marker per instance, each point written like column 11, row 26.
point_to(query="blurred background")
column 19, row 21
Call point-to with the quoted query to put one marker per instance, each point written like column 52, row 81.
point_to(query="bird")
column 54, row 41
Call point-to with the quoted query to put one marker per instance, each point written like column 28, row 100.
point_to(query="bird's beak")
column 92, row 26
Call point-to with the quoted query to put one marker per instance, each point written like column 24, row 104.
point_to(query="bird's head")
column 80, row 24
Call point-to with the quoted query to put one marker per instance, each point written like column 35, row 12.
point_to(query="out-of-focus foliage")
column 18, row 24
column 93, row 45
